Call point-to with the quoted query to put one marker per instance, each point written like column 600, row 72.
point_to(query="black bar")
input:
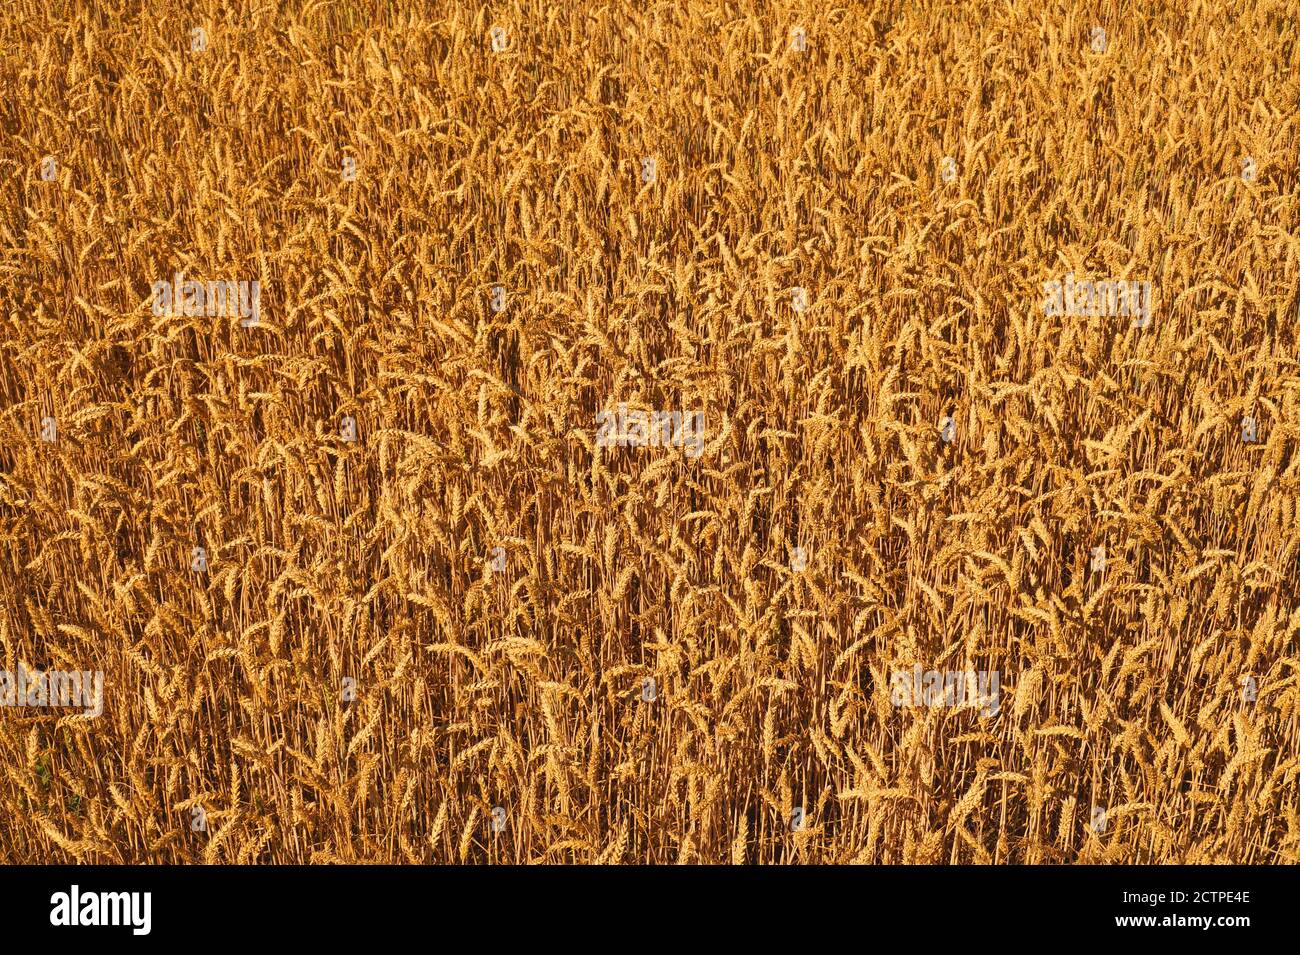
column 363, row 905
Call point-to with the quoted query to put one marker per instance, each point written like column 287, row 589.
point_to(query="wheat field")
column 362, row 580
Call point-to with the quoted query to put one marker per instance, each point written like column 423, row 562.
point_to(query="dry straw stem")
column 522, row 688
